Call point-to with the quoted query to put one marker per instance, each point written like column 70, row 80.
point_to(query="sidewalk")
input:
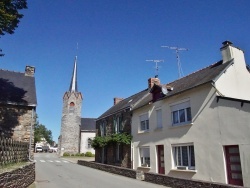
column 75, row 159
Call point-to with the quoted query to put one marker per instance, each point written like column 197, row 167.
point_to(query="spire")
column 73, row 84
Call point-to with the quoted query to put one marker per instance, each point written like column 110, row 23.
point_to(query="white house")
column 88, row 132
column 197, row 127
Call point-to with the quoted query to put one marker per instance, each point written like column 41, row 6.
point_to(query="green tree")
column 42, row 132
column 9, row 15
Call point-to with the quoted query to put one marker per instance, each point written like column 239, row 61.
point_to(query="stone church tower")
column 69, row 140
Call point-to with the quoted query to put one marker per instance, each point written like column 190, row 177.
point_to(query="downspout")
column 31, row 124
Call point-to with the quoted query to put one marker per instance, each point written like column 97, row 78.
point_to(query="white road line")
column 50, row 161
column 42, row 161
column 58, row 161
column 66, row 161
column 35, row 161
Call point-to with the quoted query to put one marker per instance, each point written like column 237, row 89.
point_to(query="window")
column 144, row 123
column 159, row 118
column 181, row 113
column 71, row 108
column 145, row 156
column 184, row 157
column 89, row 142
column 103, row 128
column 117, row 124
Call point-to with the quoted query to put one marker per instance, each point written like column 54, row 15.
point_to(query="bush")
column 78, row 154
column 66, row 154
column 82, row 155
column 89, row 154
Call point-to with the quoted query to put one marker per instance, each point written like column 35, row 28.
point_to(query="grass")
column 10, row 167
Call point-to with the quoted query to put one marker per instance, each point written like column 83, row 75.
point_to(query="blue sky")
column 115, row 38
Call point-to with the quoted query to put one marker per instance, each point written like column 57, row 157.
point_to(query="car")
column 45, row 149
column 39, row 149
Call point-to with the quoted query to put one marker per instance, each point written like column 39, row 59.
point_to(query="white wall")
column 213, row 127
column 84, row 142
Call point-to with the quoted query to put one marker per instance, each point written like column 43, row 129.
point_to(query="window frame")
column 159, row 123
column 144, row 160
column 103, row 126
column 144, row 122
column 178, row 157
column 181, row 113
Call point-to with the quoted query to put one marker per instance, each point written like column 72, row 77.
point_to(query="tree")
column 9, row 15
column 42, row 132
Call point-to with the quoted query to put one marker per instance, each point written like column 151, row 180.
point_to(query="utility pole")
column 156, row 61
column 180, row 72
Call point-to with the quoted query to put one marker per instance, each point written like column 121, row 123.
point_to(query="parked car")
column 39, row 149
column 45, row 149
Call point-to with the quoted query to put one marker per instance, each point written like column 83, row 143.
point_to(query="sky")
column 115, row 38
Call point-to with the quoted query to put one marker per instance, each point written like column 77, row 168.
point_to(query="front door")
column 234, row 172
column 161, row 165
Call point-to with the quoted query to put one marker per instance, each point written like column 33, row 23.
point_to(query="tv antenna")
column 156, row 61
column 180, row 72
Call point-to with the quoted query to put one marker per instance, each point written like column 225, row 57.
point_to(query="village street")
column 55, row 172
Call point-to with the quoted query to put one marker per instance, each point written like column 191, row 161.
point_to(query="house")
column 18, row 104
column 197, row 127
column 116, row 121
column 88, row 132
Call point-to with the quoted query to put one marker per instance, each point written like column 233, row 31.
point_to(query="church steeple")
column 73, row 84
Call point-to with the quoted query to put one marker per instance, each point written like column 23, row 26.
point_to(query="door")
column 234, row 173
column 161, row 164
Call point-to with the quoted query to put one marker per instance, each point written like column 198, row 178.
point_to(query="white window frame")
column 144, row 122
column 144, row 153
column 158, row 118
column 178, row 157
column 181, row 113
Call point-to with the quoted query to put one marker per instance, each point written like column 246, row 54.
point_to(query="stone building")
column 18, row 104
column 69, row 139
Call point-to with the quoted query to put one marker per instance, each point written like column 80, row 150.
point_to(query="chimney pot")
column 227, row 42
column 117, row 100
column 29, row 70
column 152, row 81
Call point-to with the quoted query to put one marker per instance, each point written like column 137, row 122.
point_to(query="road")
column 54, row 172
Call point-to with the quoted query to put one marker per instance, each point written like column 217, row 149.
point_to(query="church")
column 76, row 132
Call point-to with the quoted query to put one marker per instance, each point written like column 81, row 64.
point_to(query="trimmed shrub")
column 89, row 154
column 66, row 154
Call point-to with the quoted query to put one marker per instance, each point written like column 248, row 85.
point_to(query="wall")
column 21, row 177
column 154, row 178
column 84, row 142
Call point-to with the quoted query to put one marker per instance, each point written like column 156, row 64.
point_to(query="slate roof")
column 190, row 81
column 16, row 88
column 88, row 124
column 124, row 104
column 193, row 80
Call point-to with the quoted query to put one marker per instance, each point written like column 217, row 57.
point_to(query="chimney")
column 152, row 81
column 117, row 100
column 29, row 70
column 230, row 52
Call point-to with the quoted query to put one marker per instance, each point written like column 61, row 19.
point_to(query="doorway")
column 161, row 164
column 233, row 164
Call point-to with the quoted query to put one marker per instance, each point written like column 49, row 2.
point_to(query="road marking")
column 35, row 161
column 66, row 161
column 42, row 161
column 58, row 161
column 50, row 161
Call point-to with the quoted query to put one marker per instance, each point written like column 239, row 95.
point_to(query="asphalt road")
column 54, row 172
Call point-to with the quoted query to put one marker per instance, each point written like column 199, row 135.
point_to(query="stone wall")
column 155, row 178
column 109, row 168
column 21, row 177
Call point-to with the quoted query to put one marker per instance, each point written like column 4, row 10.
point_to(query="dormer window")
column 71, row 108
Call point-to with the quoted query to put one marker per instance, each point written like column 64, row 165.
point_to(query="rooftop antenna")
column 156, row 61
column 180, row 72
column 76, row 49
